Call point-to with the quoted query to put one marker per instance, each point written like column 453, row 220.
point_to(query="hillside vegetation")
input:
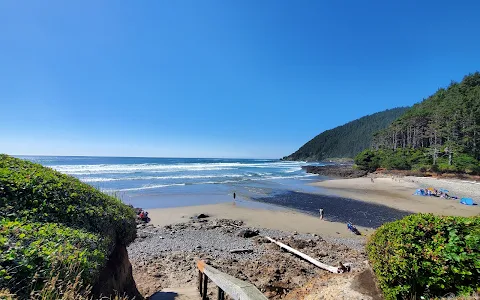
column 441, row 133
column 347, row 140
column 51, row 221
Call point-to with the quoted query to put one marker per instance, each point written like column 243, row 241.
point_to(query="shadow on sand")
column 163, row 296
column 338, row 209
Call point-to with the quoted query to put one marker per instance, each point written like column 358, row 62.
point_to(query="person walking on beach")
column 321, row 213
column 234, row 195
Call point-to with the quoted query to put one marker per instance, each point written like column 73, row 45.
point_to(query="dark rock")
column 341, row 171
column 202, row 216
column 300, row 244
column 262, row 240
column 247, row 233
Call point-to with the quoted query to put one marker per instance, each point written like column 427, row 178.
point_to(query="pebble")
column 216, row 241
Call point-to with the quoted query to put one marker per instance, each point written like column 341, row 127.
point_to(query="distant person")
column 371, row 179
column 234, row 196
column 321, row 213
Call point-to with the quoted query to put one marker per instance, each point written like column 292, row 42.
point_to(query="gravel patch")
column 165, row 257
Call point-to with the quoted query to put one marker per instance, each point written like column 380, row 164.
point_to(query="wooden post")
column 200, row 281
column 221, row 294
column 205, row 281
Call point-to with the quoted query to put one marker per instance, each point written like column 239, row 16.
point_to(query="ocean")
column 170, row 182
column 257, row 183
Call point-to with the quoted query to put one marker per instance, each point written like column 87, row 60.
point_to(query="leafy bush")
column 40, row 194
column 397, row 161
column 367, row 160
column 427, row 255
column 466, row 163
column 45, row 215
column 31, row 250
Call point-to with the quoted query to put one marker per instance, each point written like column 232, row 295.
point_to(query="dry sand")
column 284, row 220
column 398, row 194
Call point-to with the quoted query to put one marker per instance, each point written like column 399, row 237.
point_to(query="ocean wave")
column 288, row 177
column 107, row 179
column 250, row 176
column 158, row 186
column 145, row 187
column 160, row 168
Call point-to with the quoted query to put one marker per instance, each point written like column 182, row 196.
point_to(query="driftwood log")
column 340, row 269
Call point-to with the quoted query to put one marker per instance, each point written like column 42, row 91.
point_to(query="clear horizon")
column 169, row 157
column 215, row 79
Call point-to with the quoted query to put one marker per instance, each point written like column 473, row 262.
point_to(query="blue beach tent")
column 419, row 192
column 467, row 201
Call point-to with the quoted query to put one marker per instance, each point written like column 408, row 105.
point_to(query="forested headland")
column 347, row 140
column 439, row 134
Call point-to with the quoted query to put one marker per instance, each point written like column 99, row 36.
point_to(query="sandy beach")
column 285, row 220
column 398, row 193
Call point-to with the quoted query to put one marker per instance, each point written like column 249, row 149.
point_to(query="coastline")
column 398, row 193
column 164, row 254
column 283, row 219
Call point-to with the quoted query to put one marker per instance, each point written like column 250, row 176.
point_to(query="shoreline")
column 365, row 204
column 398, row 193
column 283, row 219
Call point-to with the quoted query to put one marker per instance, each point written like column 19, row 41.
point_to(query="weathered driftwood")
column 241, row 251
column 332, row 269
column 234, row 287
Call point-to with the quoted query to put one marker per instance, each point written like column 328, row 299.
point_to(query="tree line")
column 347, row 140
column 441, row 133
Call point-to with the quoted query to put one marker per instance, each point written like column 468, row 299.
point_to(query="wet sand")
column 338, row 209
column 285, row 220
column 398, row 194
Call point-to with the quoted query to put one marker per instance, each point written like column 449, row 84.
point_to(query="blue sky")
column 217, row 78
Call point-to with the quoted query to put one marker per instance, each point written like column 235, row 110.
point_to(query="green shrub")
column 397, row 162
column 427, row 255
column 446, row 168
column 46, row 216
column 40, row 194
column 466, row 163
column 29, row 250
column 367, row 160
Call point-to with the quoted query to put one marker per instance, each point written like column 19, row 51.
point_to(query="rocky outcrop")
column 116, row 278
column 339, row 171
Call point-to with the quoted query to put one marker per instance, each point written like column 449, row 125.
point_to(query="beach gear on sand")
column 467, row 201
column 353, row 229
column 420, row 192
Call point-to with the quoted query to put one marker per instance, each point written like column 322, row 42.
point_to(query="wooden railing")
column 234, row 287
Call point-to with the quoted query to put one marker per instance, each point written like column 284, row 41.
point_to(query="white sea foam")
column 161, row 168
column 145, row 187
column 106, row 179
